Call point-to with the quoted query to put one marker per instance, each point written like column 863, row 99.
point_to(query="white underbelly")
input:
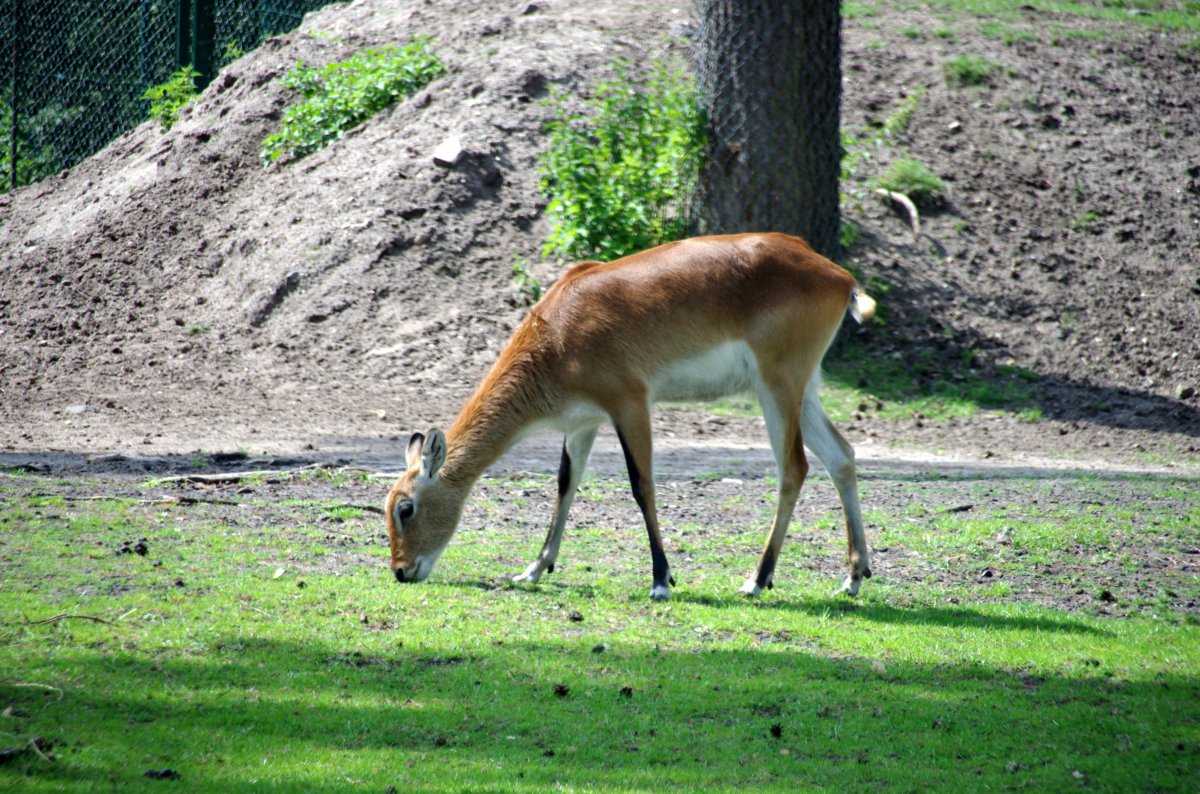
column 728, row 368
column 579, row 415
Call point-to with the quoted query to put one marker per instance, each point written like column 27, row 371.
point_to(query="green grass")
column 914, row 179
column 968, row 70
column 1135, row 14
column 919, row 386
column 333, row 677
column 896, row 388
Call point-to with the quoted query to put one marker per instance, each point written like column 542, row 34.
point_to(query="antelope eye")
column 407, row 509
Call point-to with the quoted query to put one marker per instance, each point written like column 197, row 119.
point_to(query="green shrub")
column 619, row 177
column 344, row 94
column 968, row 70
column 167, row 99
column 913, row 179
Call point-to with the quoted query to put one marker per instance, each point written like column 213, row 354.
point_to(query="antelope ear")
column 433, row 453
column 413, row 456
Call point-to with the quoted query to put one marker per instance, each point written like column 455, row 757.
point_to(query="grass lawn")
column 260, row 645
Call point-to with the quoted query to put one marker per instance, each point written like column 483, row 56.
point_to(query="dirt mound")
column 170, row 293
column 1069, row 245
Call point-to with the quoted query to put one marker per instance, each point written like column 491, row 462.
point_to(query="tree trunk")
column 770, row 73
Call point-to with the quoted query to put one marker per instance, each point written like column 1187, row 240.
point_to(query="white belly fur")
column 728, row 368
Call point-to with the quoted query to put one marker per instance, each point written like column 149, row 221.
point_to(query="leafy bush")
column 618, row 178
column 913, row 179
column 968, row 70
column 344, row 94
column 167, row 99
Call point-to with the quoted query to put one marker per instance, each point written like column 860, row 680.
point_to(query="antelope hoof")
column 531, row 574
column 750, row 589
column 660, row 593
column 850, row 586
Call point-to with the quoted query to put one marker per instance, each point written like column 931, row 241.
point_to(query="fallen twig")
column 237, row 476
column 65, row 616
column 191, row 500
column 164, row 500
column 218, row 478
column 914, row 218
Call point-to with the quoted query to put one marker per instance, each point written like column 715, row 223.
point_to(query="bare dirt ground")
column 170, row 295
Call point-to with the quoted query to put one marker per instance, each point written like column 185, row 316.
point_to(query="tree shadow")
column 945, row 617
column 944, row 359
column 488, row 713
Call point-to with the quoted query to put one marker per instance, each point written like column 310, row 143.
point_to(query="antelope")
column 691, row 320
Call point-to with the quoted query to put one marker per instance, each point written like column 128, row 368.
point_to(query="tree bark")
column 771, row 77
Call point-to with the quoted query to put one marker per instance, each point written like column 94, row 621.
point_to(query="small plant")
column 618, row 177
column 233, row 50
column 167, row 99
column 913, row 179
column 968, row 70
column 901, row 118
column 858, row 151
column 344, row 94
column 1085, row 221
column 525, row 284
column 849, row 234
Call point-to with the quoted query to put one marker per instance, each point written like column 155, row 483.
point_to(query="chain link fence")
column 72, row 72
column 769, row 73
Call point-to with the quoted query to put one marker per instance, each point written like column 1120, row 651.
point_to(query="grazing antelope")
column 697, row 319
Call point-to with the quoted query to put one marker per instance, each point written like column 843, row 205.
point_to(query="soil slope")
column 170, row 294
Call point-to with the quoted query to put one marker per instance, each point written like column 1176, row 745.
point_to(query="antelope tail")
column 862, row 306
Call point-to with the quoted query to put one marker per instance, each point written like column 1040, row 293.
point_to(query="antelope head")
column 422, row 509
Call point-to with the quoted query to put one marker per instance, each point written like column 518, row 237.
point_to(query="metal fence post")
column 183, row 33
column 15, row 96
column 203, row 27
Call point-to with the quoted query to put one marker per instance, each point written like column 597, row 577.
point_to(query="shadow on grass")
column 547, row 586
column 945, row 617
column 919, row 352
column 486, row 713
column 924, row 375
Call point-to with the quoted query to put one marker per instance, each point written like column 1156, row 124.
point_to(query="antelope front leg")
column 633, row 431
column 576, row 448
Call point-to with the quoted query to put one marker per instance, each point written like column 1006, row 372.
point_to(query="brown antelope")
column 697, row 319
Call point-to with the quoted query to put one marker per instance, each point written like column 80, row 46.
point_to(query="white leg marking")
column 532, row 573
column 824, row 441
column 660, row 593
column 750, row 589
column 579, row 446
